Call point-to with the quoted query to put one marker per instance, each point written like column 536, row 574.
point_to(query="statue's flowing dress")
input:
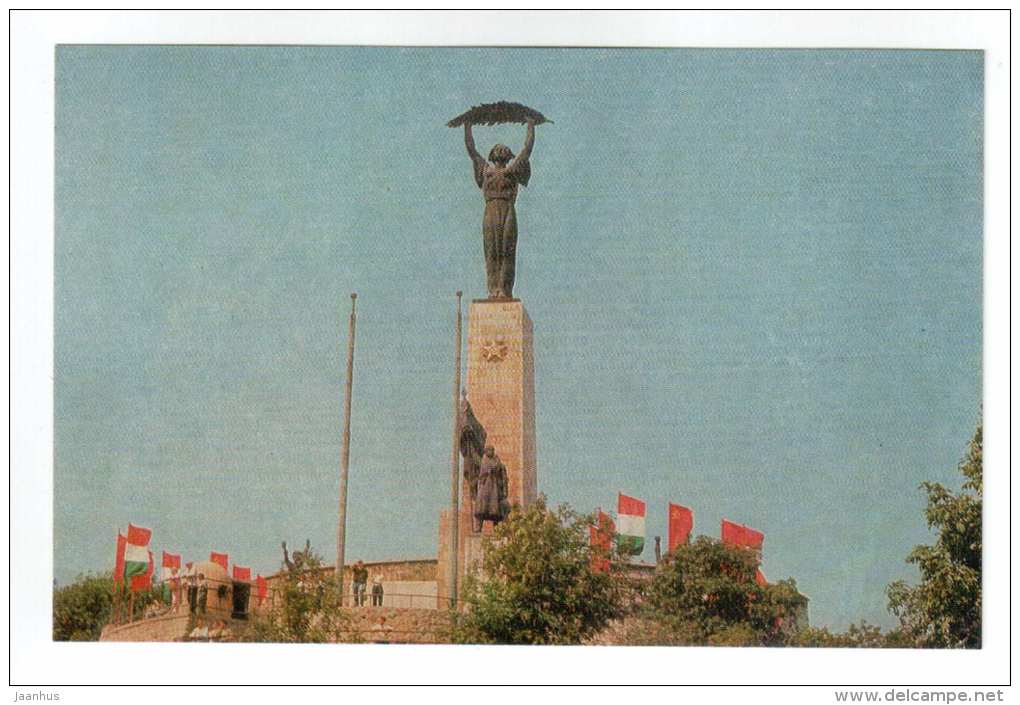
column 499, row 222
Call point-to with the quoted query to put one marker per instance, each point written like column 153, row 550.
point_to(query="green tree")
column 537, row 585
column 705, row 592
column 82, row 609
column 306, row 608
column 862, row 635
column 944, row 609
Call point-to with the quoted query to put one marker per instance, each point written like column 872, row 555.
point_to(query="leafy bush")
column 862, row 636
column 705, row 593
column 537, row 585
column 307, row 608
column 944, row 609
column 83, row 608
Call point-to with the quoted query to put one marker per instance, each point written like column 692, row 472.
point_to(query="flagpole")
column 118, row 587
column 345, row 456
column 451, row 563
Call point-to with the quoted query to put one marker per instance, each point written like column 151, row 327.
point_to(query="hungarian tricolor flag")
column 242, row 575
column 220, row 558
column 140, row 583
column 171, row 561
column 740, row 535
column 681, row 521
column 630, row 524
column 600, row 539
column 260, row 588
column 133, row 557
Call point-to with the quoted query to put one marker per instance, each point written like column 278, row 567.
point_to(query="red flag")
column 144, row 581
column 681, row 521
column 260, row 588
column 740, row 535
column 629, row 505
column 118, row 564
column 137, row 536
column 220, row 558
column 171, row 560
column 242, row 574
column 601, row 537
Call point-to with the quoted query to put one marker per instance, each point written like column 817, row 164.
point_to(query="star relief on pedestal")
column 494, row 349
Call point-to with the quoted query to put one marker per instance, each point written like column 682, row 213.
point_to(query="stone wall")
column 168, row 628
column 402, row 626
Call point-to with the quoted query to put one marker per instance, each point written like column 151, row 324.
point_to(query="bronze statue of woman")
column 498, row 180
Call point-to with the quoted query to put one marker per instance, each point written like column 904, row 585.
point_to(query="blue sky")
column 754, row 275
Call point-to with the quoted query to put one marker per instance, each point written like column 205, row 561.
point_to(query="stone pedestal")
column 501, row 389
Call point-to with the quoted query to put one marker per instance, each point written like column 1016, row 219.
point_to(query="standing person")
column 192, row 591
column 203, row 593
column 360, row 583
column 377, row 591
column 175, row 591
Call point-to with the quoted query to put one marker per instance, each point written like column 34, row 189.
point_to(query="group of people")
column 360, row 575
column 219, row 631
column 191, row 585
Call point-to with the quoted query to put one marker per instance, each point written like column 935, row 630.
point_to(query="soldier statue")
column 485, row 475
column 299, row 556
column 491, row 503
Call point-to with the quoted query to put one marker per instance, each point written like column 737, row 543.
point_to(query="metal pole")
column 451, row 563
column 345, row 458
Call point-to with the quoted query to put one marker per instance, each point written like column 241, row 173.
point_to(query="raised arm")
column 476, row 159
column 529, row 142
column 520, row 167
column 469, row 142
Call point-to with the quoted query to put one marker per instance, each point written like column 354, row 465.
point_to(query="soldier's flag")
column 221, row 558
column 739, row 535
column 630, row 524
column 681, row 521
column 133, row 557
column 242, row 574
column 260, row 589
column 600, row 539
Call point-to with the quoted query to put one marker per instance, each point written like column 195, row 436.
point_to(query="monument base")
column 501, row 390
column 469, row 557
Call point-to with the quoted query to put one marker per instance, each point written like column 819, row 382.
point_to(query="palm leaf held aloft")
column 497, row 113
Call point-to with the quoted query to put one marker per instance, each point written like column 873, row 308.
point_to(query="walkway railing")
column 189, row 599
